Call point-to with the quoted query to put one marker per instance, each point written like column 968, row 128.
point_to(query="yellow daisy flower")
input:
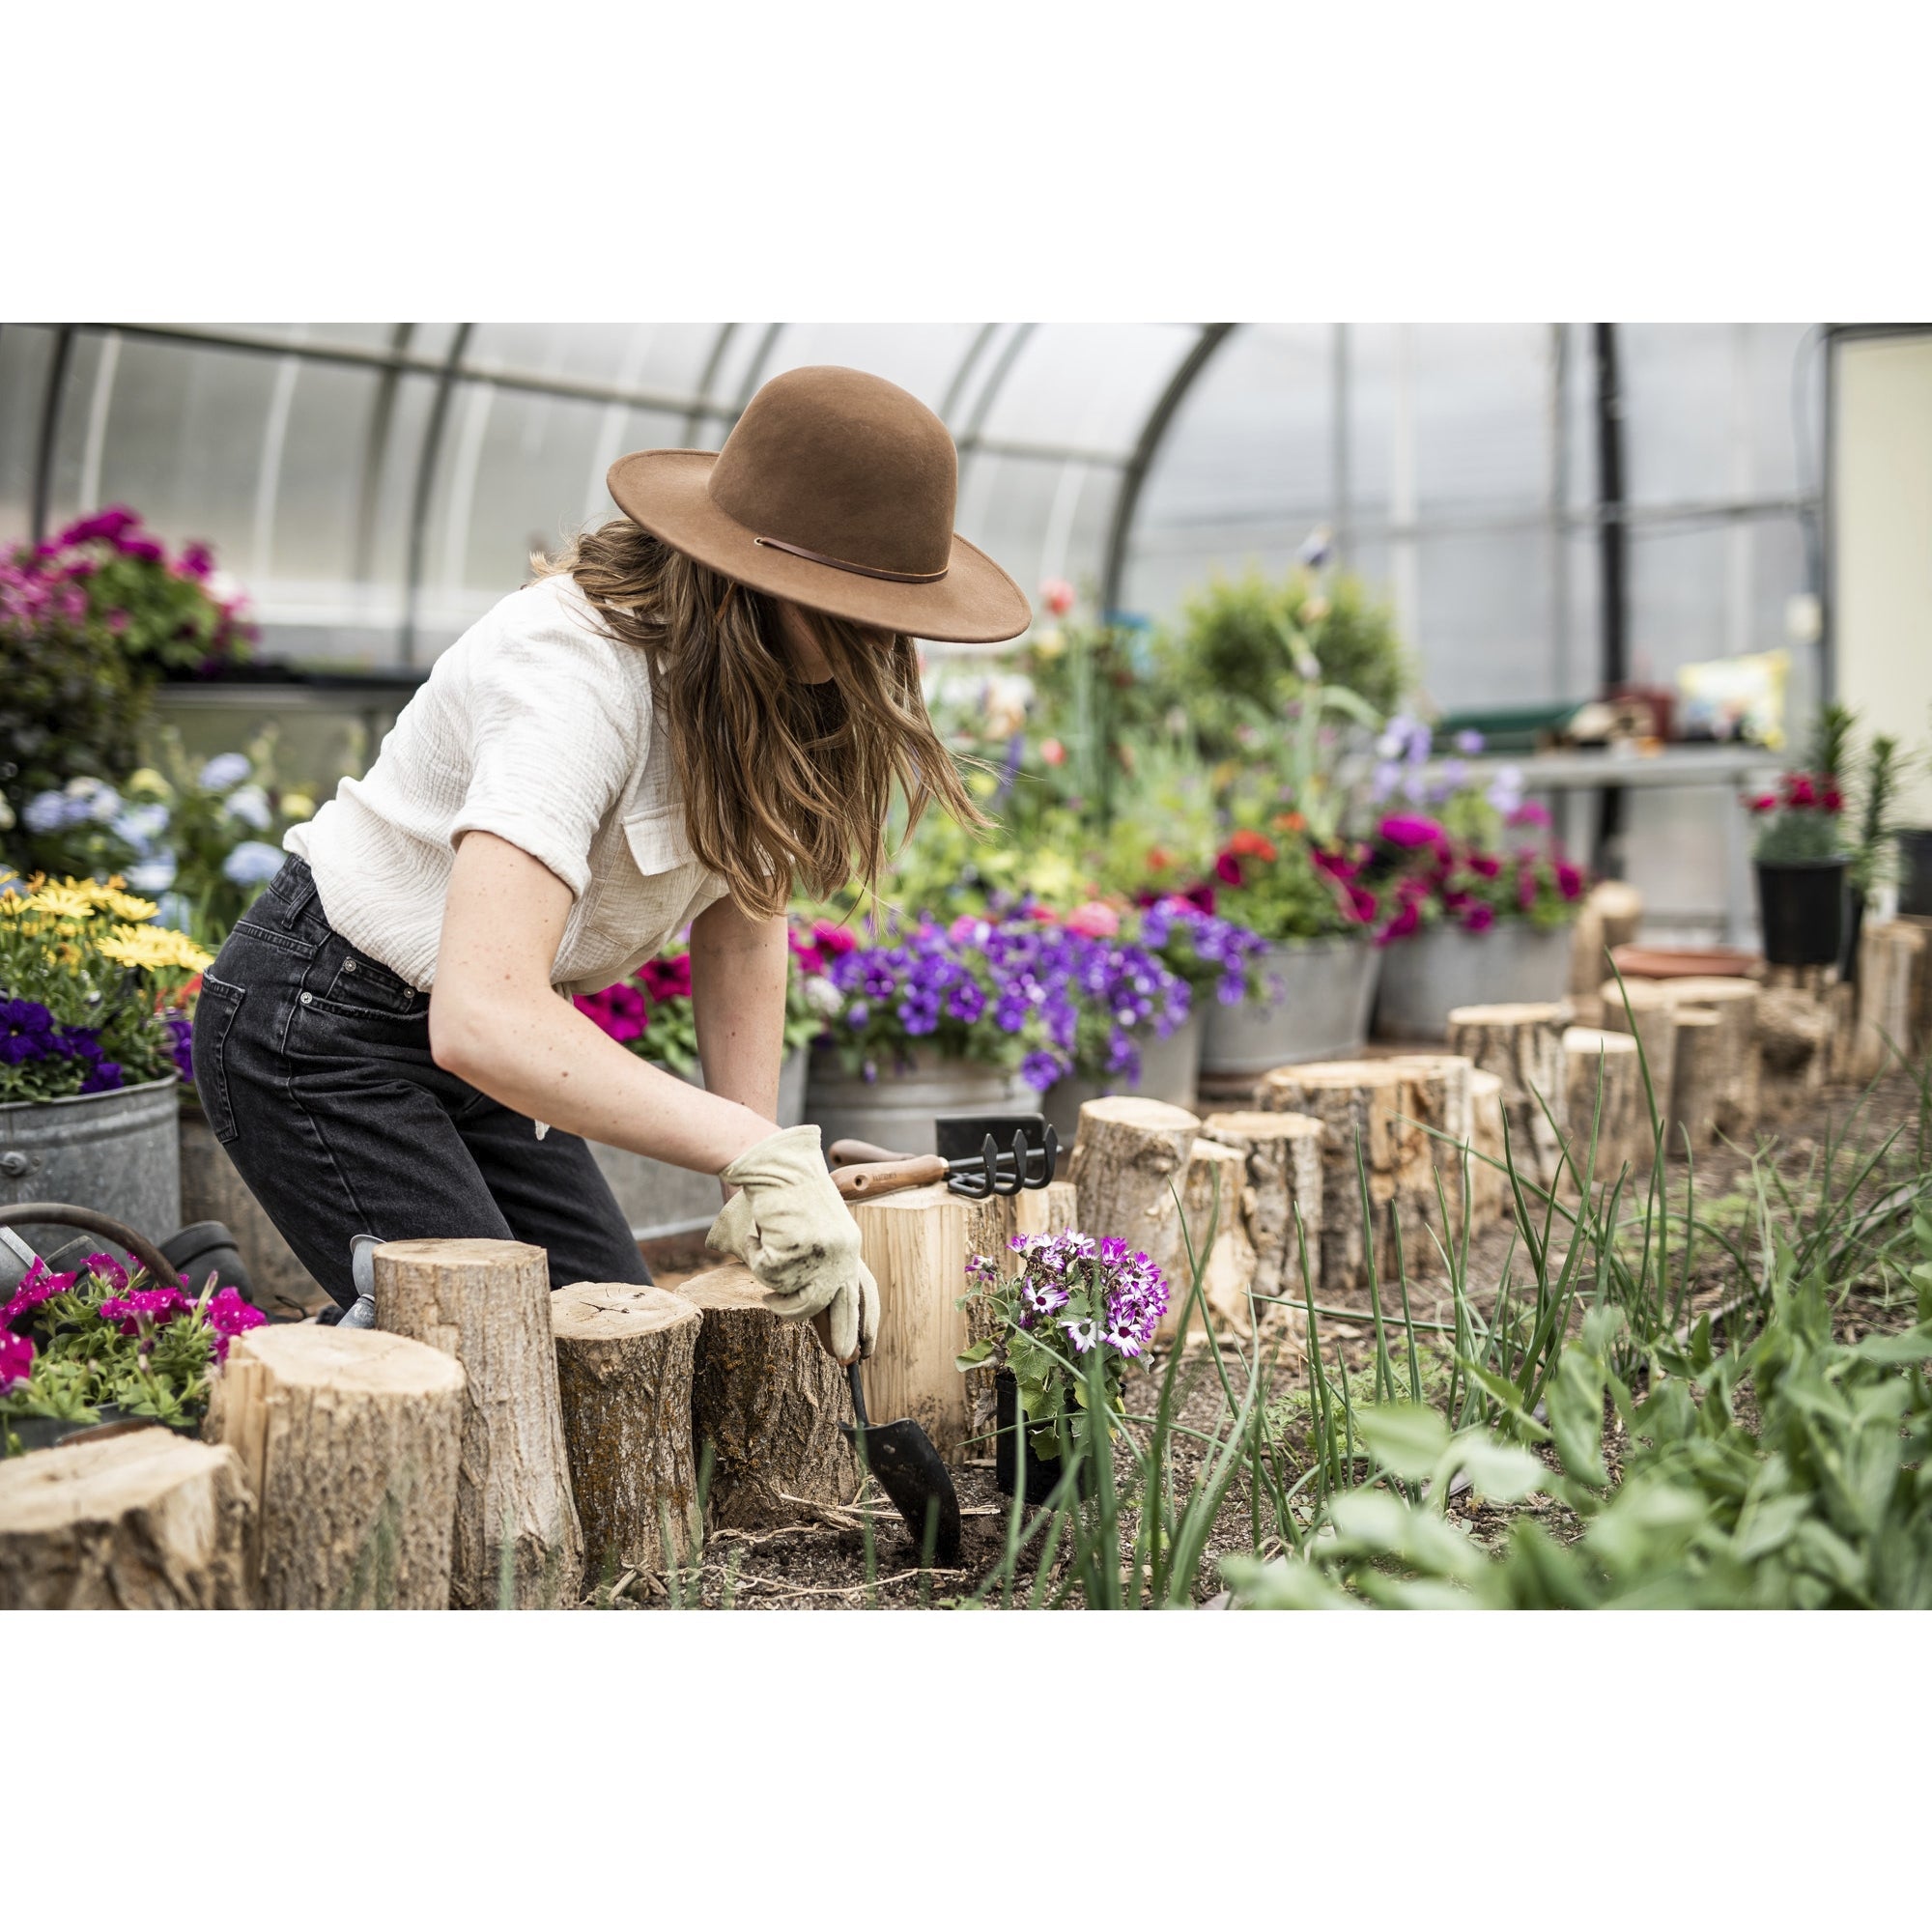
column 155, row 948
column 62, row 901
column 124, row 905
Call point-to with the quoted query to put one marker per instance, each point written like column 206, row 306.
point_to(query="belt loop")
column 294, row 902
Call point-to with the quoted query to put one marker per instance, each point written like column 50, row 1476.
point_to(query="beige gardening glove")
column 788, row 1224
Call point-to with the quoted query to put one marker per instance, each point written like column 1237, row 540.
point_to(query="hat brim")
column 665, row 492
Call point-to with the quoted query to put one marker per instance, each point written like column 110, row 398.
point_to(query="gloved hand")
column 789, row 1226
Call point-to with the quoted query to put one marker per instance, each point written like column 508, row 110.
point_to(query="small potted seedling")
column 1074, row 1300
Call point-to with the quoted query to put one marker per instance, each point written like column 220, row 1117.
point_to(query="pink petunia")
column 1095, row 920
column 1569, row 880
column 1529, row 812
column 1483, row 865
column 1057, row 594
column 1479, row 918
column 39, row 1286
column 1404, row 922
column 1409, row 832
column 105, row 1269
column 17, row 1359
column 157, row 1304
column 837, row 940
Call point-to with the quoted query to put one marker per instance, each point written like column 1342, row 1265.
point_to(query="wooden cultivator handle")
column 866, row 1180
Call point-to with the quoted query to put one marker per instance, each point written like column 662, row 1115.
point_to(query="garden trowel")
column 909, row 1469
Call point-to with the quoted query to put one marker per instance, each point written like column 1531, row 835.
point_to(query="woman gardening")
column 695, row 706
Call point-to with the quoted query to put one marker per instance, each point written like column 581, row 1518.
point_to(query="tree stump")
column 767, row 1400
column 1523, row 1045
column 1605, row 1089
column 1921, row 980
column 143, row 1522
column 1444, row 1108
column 1129, row 1164
column 1366, row 1103
column 1735, row 1002
column 1890, row 961
column 1619, row 905
column 1794, row 1038
column 488, row 1304
column 1697, row 1081
column 1587, row 951
column 1490, row 1198
column 625, row 1358
column 915, row 1244
column 1647, row 1010
column 349, row 1439
column 1211, row 1197
column 1282, row 1154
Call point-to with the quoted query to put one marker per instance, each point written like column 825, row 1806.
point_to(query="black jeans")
column 312, row 1061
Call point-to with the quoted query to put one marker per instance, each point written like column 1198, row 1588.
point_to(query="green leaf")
column 1285, row 1584
column 972, row 1357
column 1404, row 1437
column 1375, row 1523
column 1502, row 1471
column 1576, row 1416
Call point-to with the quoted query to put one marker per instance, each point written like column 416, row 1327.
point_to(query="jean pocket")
column 214, row 1013
column 362, row 985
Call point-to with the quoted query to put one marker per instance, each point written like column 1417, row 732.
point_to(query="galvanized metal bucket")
column 118, row 1154
column 1169, row 1071
column 897, row 1110
column 1442, row 966
column 1326, row 988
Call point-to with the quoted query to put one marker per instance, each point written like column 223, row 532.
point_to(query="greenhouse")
column 1223, row 965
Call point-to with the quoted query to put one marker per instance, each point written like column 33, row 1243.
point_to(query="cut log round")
column 1697, row 1082
column 1889, row 963
column 1490, row 1199
column 1647, row 1010
column 1619, row 905
column 1606, row 1092
column 915, row 1244
column 1129, row 1166
column 1735, row 1002
column 143, row 1522
column 625, row 1357
column 349, row 1439
column 1211, row 1198
column 1587, row 950
column 488, row 1304
column 1366, row 1103
column 1443, row 1103
column 767, row 1401
column 1282, row 1157
column 1523, row 1045
column 1794, row 1038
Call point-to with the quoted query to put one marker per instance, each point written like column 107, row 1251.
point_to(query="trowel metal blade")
column 910, row 1471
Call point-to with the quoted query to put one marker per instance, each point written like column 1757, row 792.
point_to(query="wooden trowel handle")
column 869, row 1180
column 851, row 1153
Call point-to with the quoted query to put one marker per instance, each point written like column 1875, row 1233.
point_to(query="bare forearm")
column 738, row 969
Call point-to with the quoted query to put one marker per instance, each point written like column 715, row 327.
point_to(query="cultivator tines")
column 1028, row 1161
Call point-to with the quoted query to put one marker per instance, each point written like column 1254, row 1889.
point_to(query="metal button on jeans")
column 306, row 998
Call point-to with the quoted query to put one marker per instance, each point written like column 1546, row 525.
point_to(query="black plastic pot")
column 1801, row 909
column 1915, row 871
column 47, row 1432
column 1041, row 1473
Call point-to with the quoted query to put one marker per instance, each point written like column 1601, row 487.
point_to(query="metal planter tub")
column 1169, row 1071
column 118, row 1154
column 1442, row 967
column 1326, row 988
column 660, row 1201
column 897, row 1109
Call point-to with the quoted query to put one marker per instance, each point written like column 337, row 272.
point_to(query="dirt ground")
column 823, row 1562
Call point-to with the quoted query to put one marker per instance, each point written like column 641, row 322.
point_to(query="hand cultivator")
column 979, row 1155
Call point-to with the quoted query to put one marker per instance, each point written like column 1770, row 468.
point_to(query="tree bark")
column 1281, row 1158
column 1735, row 1002
column 1605, row 1090
column 488, row 1304
column 1366, row 1103
column 1443, row 1105
column 915, row 1244
column 1794, row 1037
column 1890, row 962
column 1489, row 1197
column 625, row 1360
column 143, row 1522
column 1523, row 1045
column 1212, row 1197
column 1619, row 905
column 350, row 1440
column 767, row 1400
column 1130, row 1165
column 1697, row 1083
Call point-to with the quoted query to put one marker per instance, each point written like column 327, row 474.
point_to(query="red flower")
column 1228, row 870
column 1764, row 802
column 1252, row 845
column 1484, row 865
column 1479, row 918
column 1569, row 880
column 16, row 1358
column 1362, row 903
column 1799, row 789
column 837, row 940
column 1404, row 922
column 1053, row 751
column 1410, row 832
column 1833, row 799
column 1057, row 594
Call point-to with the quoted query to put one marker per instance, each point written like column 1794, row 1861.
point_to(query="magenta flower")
column 105, row 1268
column 39, row 1286
column 1411, row 833
column 1228, row 870
column 1569, row 880
column 1479, row 918
column 1402, row 926
column 17, row 1359
column 1529, row 812
column 229, row 1315
column 157, row 1304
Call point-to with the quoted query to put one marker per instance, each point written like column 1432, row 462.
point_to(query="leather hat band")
column 857, row 569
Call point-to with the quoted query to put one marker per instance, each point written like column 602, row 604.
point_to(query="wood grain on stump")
column 1697, row 1081
column 350, row 1440
column 1489, row 1197
column 1282, row 1156
column 1794, row 1038
column 1130, row 1165
column 1606, row 1092
column 487, row 1304
column 1443, row 1106
column 1619, row 905
column 625, row 1359
column 143, row 1522
column 1891, row 972
column 1646, row 1010
column 1522, row 1044
column 1735, row 1002
column 1370, row 1104
column 766, row 1402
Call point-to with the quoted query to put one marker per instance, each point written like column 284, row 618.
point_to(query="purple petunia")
column 17, row 1359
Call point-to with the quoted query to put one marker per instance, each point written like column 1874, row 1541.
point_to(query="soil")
column 822, row 1561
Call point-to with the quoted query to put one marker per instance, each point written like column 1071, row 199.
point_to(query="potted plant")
column 976, row 1018
column 1074, row 1303
column 652, row 1013
column 1802, row 863
column 1134, row 1029
column 1309, row 907
column 1473, row 911
column 94, row 1346
column 92, row 1042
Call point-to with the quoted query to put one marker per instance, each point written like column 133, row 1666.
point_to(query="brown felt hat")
column 835, row 489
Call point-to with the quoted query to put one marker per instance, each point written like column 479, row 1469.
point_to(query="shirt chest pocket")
column 659, row 847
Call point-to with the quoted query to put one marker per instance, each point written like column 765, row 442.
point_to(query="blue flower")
column 225, row 769
column 49, row 811
column 250, row 803
column 252, row 863
column 152, row 875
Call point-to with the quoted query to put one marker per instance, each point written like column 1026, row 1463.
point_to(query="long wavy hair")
column 784, row 782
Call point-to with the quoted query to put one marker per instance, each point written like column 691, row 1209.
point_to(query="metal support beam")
column 432, row 446
column 50, row 419
column 1152, row 432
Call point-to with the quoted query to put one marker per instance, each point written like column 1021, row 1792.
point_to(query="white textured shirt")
column 539, row 726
